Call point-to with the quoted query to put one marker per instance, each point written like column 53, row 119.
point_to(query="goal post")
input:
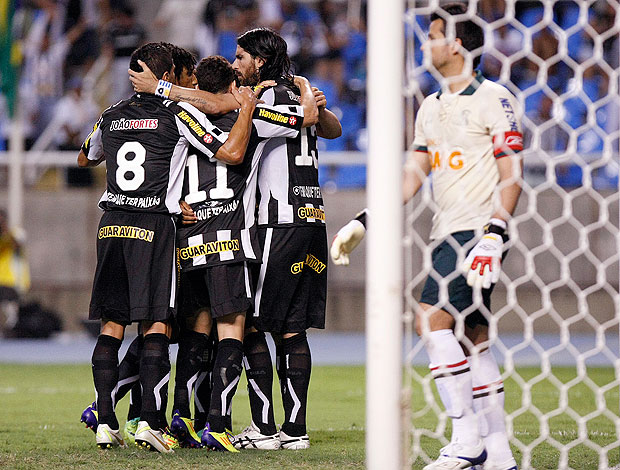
column 556, row 309
column 384, row 261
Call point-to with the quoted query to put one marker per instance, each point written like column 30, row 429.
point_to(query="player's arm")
column 91, row 153
column 329, row 126
column 483, row 263
column 208, row 103
column 417, row 168
column 233, row 150
column 311, row 112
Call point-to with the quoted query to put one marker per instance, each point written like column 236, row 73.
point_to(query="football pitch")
column 40, row 406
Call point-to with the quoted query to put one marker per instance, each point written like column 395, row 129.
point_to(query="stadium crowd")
column 63, row 43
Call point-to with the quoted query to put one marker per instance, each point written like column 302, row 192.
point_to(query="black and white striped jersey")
column 223, row 196
column 145, row 142
column 288, row 179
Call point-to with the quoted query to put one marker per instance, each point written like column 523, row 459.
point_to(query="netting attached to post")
column 556, row 309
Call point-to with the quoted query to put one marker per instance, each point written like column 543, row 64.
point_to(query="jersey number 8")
column 133, row 166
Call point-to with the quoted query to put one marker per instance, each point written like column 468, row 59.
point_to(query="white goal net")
column 556, row 309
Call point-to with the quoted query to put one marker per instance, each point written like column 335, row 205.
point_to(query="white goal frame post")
column 397, row 393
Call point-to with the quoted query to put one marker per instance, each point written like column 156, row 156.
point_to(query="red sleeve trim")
column 507, row 143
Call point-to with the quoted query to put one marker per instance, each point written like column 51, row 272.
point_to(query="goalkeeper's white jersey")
column 463, row 134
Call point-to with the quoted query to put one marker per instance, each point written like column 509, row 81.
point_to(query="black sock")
column 298, row 365
column 128, row 374
column 105, row 377
column 154, row 376
column 280, row 369
column 192, row 346
column 226, row 374
column 135, row 401
column 204, row 385
column 259, row 372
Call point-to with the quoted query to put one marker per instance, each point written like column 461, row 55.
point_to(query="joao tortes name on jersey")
column 134, row 124
column 311, row 192
column 140, row 202
column 209, row 212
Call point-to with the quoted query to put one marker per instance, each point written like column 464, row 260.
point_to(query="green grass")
column 40, row 408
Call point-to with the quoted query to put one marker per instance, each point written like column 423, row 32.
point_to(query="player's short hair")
column 214, row 74
column 157, row 57
column 182, row 59
column 470, row 33
column 271, row 47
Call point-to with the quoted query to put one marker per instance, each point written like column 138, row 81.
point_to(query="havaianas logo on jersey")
column 276, row 117
column 126, row 231
column 311, row 213
column 134, row 124
column 208, row 248
column 193, row 125
column 311, row 261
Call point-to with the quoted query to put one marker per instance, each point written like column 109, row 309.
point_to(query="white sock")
column 453, row 378
column 488, row 393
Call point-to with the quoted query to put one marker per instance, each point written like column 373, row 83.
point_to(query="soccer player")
column 128, row 376
column 144, row 141
column 215, row 251
column 292, row 279
column 467, row 137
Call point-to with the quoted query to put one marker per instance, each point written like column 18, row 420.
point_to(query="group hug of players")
column 213, row 233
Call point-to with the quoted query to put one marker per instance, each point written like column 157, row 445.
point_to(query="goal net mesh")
column 554, row 327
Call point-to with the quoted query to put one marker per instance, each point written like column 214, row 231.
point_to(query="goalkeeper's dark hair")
column 470, row 33
column 157, row 57
column 271, row 47
column 215, row 74
column 182, row 59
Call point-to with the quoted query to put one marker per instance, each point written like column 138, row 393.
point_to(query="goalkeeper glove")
column 347, row 238
column 483, row 263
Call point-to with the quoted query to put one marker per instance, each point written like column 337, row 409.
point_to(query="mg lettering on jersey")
column 311, row 213
column 125, row 231
column 193, row 125
column 275, row 117
column 454, row 161
column 134, row 124
column 208, row 248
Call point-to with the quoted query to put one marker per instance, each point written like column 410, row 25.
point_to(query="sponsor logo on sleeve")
column 273, row 116
column 192, row 124
column 510, row 114
column 509, row 141
column 134, row 124
column 208, row 138
column 292, row 121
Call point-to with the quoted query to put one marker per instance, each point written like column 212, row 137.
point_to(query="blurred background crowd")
column 71, row 58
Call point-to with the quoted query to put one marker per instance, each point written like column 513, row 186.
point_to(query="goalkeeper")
column 467, row 137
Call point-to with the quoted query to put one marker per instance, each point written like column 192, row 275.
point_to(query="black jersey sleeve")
column 198, row 129
column 278, row 121
column 92, row 147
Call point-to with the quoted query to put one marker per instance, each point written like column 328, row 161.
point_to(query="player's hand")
column 319, row 97
column 264, row 84
column 145, row 81
column 245, row 97
column 345, row 241
column 483, row 263
column 188, row 216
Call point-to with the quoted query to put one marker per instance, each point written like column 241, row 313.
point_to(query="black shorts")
column 135, row 277
column 460, row 294
column 292, row 280
column 224, row 289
